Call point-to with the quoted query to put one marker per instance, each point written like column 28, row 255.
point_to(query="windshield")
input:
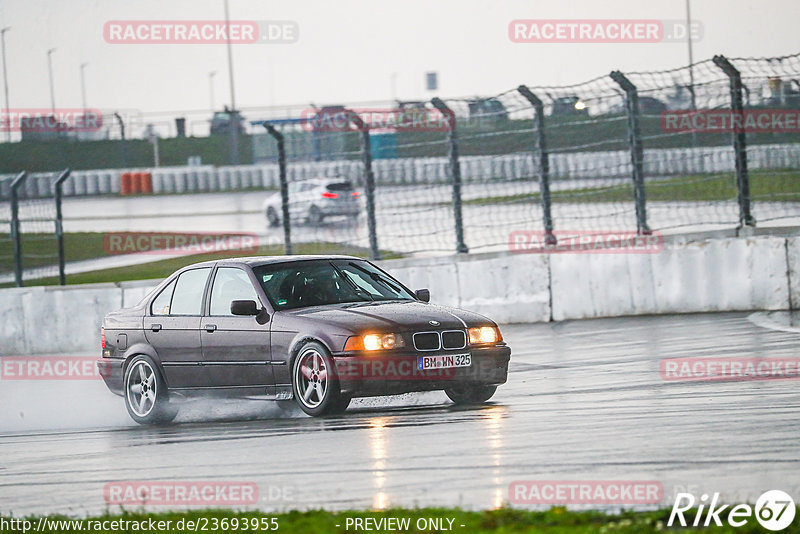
column 320, row 282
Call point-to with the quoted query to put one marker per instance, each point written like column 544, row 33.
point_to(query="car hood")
column 393, row 316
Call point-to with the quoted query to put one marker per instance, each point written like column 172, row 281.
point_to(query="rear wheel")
column 314, row 381
column 470, row 394
column 272, row 217
column 315, row 216
column 146, row 396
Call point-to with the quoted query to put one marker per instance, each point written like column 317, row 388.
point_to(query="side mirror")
column 244, row 307
column 423, row 294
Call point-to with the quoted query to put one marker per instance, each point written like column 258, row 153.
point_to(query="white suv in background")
column 314, row 200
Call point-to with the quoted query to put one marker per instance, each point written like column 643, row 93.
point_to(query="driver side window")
column 230, row 284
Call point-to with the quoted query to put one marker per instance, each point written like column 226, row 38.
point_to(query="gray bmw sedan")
column 315, row 330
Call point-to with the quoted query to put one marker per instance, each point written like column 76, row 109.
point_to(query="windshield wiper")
column 350, row 281
column 377, row 277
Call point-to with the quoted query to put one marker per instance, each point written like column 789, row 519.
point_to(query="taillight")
column 356, row 194
column 328, row 194
column 103, row 337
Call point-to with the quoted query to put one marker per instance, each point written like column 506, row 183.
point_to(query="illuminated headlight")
column 484, row 334
column 382, row 341
column 374, row 342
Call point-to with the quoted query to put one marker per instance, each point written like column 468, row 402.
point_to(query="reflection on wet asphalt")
column 584, row 401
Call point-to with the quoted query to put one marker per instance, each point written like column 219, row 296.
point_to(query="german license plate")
column 444, row 362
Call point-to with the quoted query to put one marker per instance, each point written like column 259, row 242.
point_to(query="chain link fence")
column 714, row 145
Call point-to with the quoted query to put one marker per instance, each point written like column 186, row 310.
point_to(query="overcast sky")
column 348, row 50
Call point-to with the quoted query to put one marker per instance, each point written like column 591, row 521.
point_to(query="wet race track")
column 584, row 401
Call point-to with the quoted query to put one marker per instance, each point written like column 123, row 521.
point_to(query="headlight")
column 374, row 342
column 484, row 334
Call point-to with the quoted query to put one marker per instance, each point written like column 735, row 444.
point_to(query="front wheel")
column 342, row 404
column 272, row 217
column 470, row 394
column 314, row 381
column 146, row 395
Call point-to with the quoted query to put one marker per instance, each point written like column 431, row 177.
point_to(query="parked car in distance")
column 569, row 106
column 487, row 110
column 221, row 122
column 317, row 329
column 648, row 105
column 315, row 200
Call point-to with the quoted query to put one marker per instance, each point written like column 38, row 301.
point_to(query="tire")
column 314, row 382
column 315, row 216
column 148, row 404
column 341, row 406
column 272, row 217
column 470, row 394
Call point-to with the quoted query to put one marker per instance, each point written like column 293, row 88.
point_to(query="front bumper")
column 363, row 374
column 111, row 371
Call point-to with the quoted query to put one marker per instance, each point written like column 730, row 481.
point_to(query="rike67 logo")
column 774, row 510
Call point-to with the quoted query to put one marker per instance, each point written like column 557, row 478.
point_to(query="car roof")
column 256, row 261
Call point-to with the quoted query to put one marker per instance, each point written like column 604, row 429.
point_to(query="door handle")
column 211, row 327
column 155, row 327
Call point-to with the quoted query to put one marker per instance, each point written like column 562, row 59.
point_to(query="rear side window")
column 160, row 304
column 188, row 296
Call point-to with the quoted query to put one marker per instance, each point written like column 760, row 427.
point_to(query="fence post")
column 637, row 153
column 62, row 277
column 739, row 141
column 544, row 162
column 16, row 236
column 123, row 147
column 287, row 236
column 369, row 186
column 455, row 171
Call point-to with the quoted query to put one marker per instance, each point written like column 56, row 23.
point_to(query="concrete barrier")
column 39, row 320
column 504, row 288
column 716, row 275
column 793, row 271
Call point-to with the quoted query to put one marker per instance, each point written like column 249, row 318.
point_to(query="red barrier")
column 136, row 182
column 147, row 182
column 125, row 183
